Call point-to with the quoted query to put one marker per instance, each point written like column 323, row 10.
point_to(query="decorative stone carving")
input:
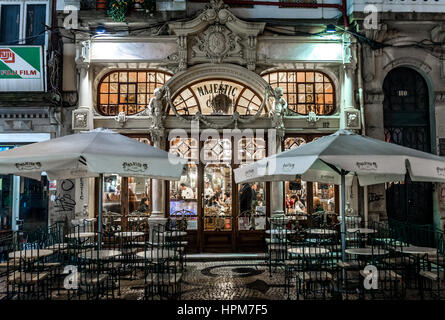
column 352, row 119
column 82, row 119
column 217, row 36
column 280, row 108
column 18, row 125
column 312, row 118
column 121, row 118
column 217, row 43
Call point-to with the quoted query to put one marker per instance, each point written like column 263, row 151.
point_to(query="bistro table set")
column 77, row 266
column 313, row 265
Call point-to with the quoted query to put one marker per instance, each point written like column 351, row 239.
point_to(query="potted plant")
column 118, row 10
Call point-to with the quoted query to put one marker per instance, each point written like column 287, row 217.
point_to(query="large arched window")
column 217, row 97
column 305, row 91
column 128, row 90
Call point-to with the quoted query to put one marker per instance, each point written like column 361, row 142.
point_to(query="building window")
column 303, row 197
column 217, row 97
column 23, row 23
column 305, row 91
column 129, row 91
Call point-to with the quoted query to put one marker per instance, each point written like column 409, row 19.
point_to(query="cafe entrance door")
column 207, row 197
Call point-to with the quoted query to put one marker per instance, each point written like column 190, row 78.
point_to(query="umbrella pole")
column 99, row 222
column 343, row 220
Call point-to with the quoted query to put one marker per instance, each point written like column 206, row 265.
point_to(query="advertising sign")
column 21, row 68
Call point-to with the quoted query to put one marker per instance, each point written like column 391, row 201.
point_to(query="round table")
column 366, row 251
column 174, row 234
column 415, row 250
column 103, row 254
column 156, row 254
column 361, row 230
column 58, row 246
column 308, row 251
column 81, row 235
column 129, row 234
column 30, row 253
column 321, row 231
column 280, row 231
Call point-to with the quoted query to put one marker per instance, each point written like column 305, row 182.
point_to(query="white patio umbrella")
column 91, row 154
column 336, row 158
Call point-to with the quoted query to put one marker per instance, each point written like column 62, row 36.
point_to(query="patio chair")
column 277, row 243
column 162, row 271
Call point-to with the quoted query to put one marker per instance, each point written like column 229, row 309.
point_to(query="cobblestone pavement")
column 232, row 280
column 222, row 280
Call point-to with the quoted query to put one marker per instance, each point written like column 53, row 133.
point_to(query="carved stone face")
column 158, row 93
column 279, row 91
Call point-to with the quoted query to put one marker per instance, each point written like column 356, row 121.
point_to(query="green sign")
column 21, row 68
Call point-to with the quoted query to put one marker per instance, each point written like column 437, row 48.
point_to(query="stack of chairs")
column 277, row 244
column 162, row 266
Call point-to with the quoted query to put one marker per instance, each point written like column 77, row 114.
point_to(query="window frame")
column 119, row 83
column 24, row 17
column 334, row 89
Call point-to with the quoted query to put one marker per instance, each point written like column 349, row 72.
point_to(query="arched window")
column 217, row 97
column 305, row 91
column 129, row 91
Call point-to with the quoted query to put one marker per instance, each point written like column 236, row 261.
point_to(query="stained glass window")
column 217, row 97
column 305, row 91
column 129, row 91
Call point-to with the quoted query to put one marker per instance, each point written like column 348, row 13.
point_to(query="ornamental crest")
column 217, row 43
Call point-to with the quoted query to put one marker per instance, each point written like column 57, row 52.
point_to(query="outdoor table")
column 30, row 254
column 103, row 254
column 280, row 231
column 58, row 246
column 130, row 234
column 418, row 253
column 366, row 251
column 156, row 254
column 361, row 230
column 308, row 251
column 321, row 231
column 81, row 235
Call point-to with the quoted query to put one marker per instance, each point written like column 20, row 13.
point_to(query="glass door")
column 216, row 197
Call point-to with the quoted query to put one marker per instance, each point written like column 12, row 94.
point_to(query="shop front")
column 218, row 93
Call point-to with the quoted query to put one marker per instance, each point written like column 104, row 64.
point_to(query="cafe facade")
column 221, row 92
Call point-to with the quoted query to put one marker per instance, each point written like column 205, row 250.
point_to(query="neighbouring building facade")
column 225, row 83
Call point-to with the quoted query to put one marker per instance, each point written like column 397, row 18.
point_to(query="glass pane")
column 324, row 197
column 112, row 193
column 295, row 191
column 139, row 192
column 217, row 150
column 10, row 24
column 183, row 197
column 295, row 197
column 35, row 18
column 252, row 206
column 217, row 197
column 6, row 197
column 33, row 209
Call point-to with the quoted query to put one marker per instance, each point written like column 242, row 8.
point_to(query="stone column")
column 157, row 192
column 275, row 138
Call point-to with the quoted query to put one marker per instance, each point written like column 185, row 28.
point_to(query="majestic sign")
column 21, row 68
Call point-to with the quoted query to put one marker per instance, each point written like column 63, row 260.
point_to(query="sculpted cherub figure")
column 280, row 108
